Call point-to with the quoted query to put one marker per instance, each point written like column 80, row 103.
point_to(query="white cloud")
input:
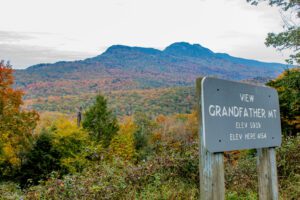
column 86, row 26
column 22, row 56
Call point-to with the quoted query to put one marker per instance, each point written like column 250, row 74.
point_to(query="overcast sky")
column 39, row 31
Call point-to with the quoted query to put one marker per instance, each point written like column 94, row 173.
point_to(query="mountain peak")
column 123, row 68
column 187, row 49
column 123, row 48
column 115, row 48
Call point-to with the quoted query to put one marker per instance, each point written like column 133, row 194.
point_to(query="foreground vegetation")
column 138, row 156
column 169, row 174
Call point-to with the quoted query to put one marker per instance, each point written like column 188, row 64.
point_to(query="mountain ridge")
column 124, row 67
column 149, row 49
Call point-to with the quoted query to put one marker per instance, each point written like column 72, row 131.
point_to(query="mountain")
column 188, row 50
column 124, row 68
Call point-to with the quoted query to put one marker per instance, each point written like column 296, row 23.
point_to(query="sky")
column 46, row 31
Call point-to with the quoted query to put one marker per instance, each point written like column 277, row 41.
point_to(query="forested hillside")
column 123, row 102
column 135, row 78
column 125, row 68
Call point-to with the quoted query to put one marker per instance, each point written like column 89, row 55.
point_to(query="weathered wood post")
column 79, row 116
column 267, row 174
column 211, row 168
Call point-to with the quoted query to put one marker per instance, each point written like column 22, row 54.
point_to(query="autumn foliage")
column 16, row 125
column 146, row 154
column 122, row 144
column 288, row 87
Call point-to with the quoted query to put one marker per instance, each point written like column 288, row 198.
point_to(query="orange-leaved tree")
column 16, row 125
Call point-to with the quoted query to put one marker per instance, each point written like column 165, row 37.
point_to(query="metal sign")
column 239, row 116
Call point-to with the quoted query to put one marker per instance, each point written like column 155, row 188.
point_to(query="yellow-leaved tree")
column 70, row 141
column 122, row 144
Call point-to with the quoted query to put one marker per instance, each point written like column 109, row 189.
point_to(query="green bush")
column 248, row 195
column 173, row 175
column 41, row 161
column 241, row 177
column 288, row 162
column 59, row 148
column 10, row 191
column 144, row 130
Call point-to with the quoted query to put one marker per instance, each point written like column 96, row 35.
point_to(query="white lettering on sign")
column 255, row 125
column 247, row 136
column 272, row 113
column 238, row 115
column 243, row 112
column 235, row 136
column 240, row 125
column 252, row 125
column 262, row 136
column 250, row 136
column 247, row 97
column 239, row 112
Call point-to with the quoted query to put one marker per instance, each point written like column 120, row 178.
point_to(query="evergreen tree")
column 41, row 160
column 100, row 122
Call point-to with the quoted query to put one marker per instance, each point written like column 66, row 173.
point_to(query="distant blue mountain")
column 189, row 50
column 178, row 64
column 248, row 62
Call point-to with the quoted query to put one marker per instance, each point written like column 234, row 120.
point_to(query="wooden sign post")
column 234, row 116
column 212, row 182
column 267, row 174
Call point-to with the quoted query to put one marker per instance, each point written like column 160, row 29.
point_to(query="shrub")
column 41, row 160
column 288, row 162
column 10, row 191
column 60, row 147
column 142, row 135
